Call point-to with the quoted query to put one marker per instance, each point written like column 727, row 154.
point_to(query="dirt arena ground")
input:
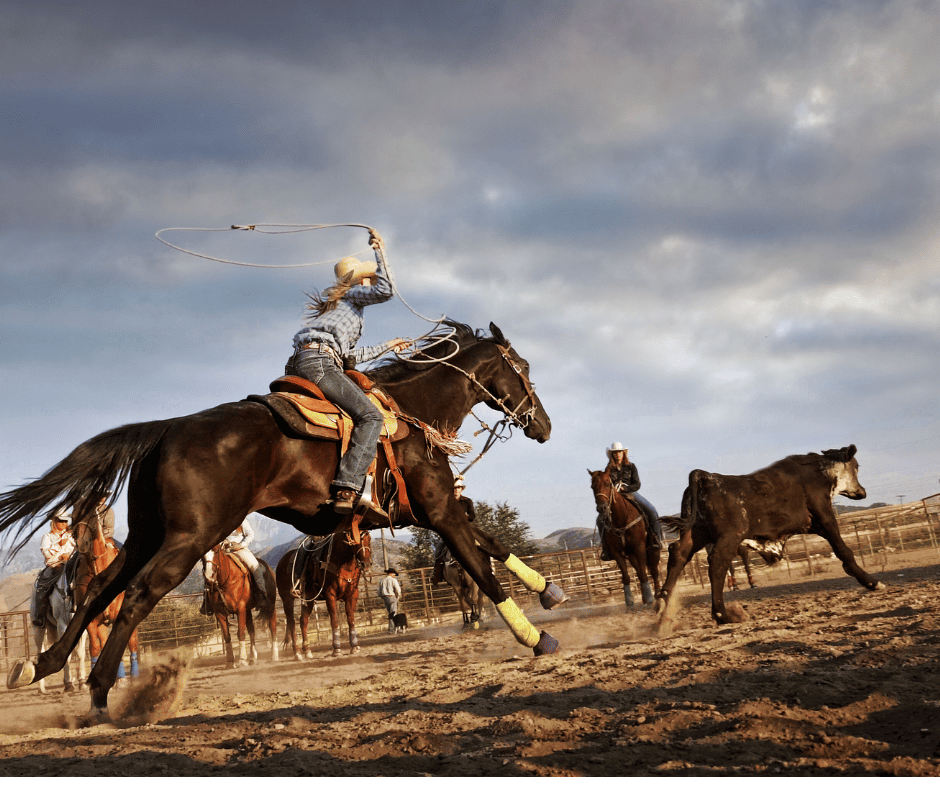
column 824, row 679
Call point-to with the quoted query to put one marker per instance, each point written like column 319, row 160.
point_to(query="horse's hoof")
column 546, row 645
column 879, row 586
column 355, row 650
column 336, row 653
column 552, row 596
column 95, row 717
column 475, row 625
column 22, row 675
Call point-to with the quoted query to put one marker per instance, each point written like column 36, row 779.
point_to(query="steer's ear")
column 589, row 472
column 850, row 452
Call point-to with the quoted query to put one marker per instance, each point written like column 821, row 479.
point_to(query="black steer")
column 792, row 496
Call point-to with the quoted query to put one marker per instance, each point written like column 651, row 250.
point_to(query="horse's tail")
column 690, row 500
column 94, row 469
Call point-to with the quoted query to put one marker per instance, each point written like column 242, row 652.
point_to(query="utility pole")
column 900, row 499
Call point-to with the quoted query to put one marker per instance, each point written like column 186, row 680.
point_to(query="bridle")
column 502, row 430
column 608, row 507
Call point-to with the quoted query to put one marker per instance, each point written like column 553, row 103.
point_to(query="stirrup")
column 368, row 507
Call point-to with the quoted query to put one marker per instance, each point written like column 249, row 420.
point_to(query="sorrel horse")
column 193, row 479
column 331, row 573
column 627, row 538
column 96, row 553
column 233, row 594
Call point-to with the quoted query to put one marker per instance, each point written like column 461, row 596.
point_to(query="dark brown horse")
column 233, row 594
column 97, row 552
column 627, row 538
column 469, row 596
column 330, row 573
column 743, row 551
column 194, row 479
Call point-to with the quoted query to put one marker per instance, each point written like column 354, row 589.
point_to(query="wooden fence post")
column 427, row 601
column 587, row 578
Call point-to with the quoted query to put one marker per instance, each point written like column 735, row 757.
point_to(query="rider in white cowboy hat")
column 326, row 343
column 625, row 478
column 57, row 547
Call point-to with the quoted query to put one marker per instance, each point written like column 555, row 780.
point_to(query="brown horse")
column 233, row 594
column 743, row 555
column 469, row 596
column 194, row 479
column 97, row 552
column 627, row 538
column 331, row 573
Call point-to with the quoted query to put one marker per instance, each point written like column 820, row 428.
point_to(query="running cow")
column 792, row 496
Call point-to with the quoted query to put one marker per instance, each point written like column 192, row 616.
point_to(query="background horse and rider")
column 232, row 593
column 192, row 480
column 627, row 538
column 326, row 570
column 58, row 612
column 97, row 550
column 470, row 598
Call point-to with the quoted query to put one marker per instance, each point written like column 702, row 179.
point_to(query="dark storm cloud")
column 708, row 225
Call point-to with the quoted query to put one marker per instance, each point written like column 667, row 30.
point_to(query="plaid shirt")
column 341, row 328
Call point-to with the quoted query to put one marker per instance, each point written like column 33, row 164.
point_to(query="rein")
column 512, row 417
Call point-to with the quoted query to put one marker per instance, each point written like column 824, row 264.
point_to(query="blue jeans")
column 321, row 369
column 652, row 514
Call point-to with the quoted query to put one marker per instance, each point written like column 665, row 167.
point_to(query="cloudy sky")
column 710, row 226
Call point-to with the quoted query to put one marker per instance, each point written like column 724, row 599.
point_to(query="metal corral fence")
column 176, row 622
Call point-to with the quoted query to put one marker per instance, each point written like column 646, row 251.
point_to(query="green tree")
column 505, row 524
column 502, row 521
column 421, row 550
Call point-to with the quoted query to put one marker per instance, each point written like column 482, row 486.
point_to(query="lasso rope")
column 286, row 229
column 449, row 444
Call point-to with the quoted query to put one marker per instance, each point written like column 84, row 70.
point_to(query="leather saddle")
column 303, row 408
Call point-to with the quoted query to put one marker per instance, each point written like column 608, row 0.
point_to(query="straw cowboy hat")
column 358, row 268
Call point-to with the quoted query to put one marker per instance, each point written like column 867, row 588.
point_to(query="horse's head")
column 455, row 369
column 602, row 488
column 512, row 392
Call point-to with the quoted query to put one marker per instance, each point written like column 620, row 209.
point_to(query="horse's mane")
column 447, row 340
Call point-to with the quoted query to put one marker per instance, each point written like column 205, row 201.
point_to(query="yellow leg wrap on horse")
column 531, row 579
column 518, row 624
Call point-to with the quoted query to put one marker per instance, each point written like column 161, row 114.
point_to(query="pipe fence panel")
column 872, row 534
